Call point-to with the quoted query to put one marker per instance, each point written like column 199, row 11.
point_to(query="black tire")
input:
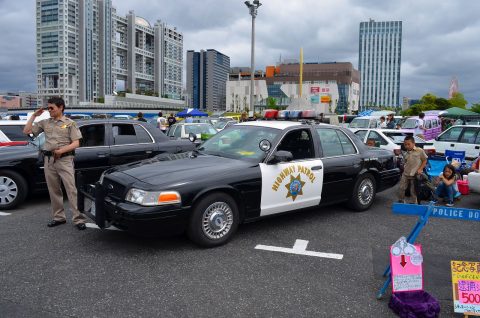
column 364, row 193
column 13, row 189
column 214, row 220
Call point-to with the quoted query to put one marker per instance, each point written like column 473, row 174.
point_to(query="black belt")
column 47, row 153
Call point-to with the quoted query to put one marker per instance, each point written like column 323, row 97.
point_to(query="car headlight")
column 153, row 198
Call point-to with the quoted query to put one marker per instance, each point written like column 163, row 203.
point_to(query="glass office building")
column 380, row 55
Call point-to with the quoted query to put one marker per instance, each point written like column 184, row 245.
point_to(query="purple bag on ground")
column 415, row 304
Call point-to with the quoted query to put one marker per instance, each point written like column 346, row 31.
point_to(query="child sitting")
column 446, row 186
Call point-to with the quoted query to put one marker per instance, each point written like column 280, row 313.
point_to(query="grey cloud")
column 439, row 37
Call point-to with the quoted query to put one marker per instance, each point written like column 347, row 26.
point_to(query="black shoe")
column 53, row 223
column 81, row 226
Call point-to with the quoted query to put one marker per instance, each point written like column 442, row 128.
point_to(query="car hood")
column 180, row 168
column 18, row 152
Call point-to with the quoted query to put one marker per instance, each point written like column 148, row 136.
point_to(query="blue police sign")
column 437, row 211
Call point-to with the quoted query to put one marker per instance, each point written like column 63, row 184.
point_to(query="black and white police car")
column 249, row 171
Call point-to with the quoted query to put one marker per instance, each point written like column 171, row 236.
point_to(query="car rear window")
column 14, row 132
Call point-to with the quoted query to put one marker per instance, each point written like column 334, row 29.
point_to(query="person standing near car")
column 415, row 160
column 390, row 122
column 420, row 129
column 62, row 137
column 162, row 123
column 171, row 120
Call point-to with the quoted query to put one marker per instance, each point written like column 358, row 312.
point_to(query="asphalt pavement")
column 63, row 272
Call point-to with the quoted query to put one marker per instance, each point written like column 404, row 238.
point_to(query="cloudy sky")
column 440, row 37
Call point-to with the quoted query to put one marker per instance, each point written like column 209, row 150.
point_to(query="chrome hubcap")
column 217, row 220
column 365, row 192
column 8, row 190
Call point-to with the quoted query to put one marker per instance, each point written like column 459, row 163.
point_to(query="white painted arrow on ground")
column 299, row 248
column 94, row 226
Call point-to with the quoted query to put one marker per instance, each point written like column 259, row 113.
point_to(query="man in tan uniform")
column 415, row 160
column 62, row 136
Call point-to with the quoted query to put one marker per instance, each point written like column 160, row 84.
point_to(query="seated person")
column 446, row 186
column 371, row 142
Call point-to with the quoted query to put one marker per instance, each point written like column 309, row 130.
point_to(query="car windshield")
column 398, row 138
column 221, row 124
column 200, row 129
column 359, row 123
column 410, row 123
column 240, row 142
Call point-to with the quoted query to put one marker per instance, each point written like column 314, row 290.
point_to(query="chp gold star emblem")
column 295, row 187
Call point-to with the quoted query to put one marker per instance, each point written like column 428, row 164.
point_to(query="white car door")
column 468, row 141
column 296, row 184
column 448, row 140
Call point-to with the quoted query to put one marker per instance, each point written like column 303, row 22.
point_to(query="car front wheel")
column 13, row 189
column 214, row 220
column 363, row 193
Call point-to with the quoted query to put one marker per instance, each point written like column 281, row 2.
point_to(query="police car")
column 249, row 171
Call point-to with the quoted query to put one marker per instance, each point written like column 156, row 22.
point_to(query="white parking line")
column 94, row 226
column 4, row 213
column 299, row 248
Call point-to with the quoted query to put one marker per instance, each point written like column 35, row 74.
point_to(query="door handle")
column 148, row 151
column 477, row 147
column 452, row 145
column 317, row 168
column 101, row 154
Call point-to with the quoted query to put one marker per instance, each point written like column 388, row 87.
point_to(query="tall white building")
column 380, row 56
column 86, row 51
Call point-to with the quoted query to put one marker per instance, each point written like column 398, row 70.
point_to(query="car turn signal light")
column 169, row 198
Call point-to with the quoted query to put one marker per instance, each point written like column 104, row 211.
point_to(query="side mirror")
column 281, row 156
column 192, row 137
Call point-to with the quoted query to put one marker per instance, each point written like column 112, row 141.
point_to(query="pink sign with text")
column 406, row 263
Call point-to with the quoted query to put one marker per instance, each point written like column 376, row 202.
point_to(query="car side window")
column 451, row 135
column 376, row 136
column 92, row 135
column 171, row 130
column 299, row 143
column 477, row 141
column 142, row 135
column 124, row 134
column 361, row 134
column 428, row 124
column 330, row 142
column 373, row 124
column 469, row 134
column 178, row 132
column 347, row 145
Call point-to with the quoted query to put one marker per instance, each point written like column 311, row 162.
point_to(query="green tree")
column 475, row 108
column 442, row 103
column 101, row 100
column 428, row 99
column 272, row 103
column 458, row 100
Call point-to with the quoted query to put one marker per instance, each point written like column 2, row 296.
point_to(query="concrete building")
column 379, row 59
column 10, row 101
column 207, row 74
column 86, row 51
column 328, row 87
column 29, row 100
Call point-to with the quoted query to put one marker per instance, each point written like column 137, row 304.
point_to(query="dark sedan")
column 105, row 143
column 243, row 173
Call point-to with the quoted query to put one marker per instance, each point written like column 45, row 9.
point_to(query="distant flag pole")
column 301, row 72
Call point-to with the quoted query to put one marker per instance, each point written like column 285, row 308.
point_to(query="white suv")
column 461, row 138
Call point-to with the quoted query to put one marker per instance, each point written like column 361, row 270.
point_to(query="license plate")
column 89, row 206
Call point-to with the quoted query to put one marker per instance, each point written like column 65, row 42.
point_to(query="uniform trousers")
column 403, row 185
column 57, row 172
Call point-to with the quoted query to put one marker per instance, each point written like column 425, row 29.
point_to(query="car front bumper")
column 155, row 220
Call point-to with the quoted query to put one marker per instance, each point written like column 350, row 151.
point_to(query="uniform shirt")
column 58, row 133
column 413, row 160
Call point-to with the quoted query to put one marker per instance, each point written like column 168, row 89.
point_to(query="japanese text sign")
column 466, row 287
column 406, row 264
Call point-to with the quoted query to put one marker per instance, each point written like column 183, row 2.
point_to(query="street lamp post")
column 253, row 7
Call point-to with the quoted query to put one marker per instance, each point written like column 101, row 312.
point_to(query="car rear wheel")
column 363, row 193
column 214, row 220
column 13, row 189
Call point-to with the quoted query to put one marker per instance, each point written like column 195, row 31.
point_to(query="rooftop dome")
column 141, row 21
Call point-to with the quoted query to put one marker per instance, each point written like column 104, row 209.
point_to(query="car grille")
column 114, row 189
